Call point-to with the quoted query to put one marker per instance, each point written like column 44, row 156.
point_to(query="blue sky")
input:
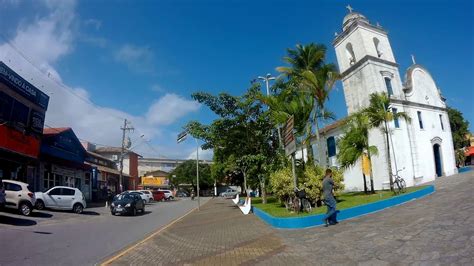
column 134, row 58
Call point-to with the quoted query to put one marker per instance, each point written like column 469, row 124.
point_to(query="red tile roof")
column 55, row 130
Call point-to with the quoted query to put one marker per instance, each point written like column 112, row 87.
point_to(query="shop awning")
column 469, row 151
column 108, row 170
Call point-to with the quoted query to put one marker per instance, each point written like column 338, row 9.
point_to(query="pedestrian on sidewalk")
column 329, row 200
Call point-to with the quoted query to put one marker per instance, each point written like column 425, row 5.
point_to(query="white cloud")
column 139, row 59
column 52, row 36
column 203, row 154
column 169, row 108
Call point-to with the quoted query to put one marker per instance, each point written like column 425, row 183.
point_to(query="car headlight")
column 113, row 205
column 128, row 205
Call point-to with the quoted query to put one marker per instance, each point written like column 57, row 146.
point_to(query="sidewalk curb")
column 344, row 214
column 127, row 249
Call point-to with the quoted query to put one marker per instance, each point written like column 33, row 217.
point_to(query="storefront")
column 62, row 161
column 22, row 113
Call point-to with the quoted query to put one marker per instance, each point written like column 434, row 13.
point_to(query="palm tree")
column 314, row 77
column 354, row 145
column 380, row 114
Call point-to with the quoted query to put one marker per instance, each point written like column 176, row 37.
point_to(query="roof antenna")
column 349, row 8
column 413, row 59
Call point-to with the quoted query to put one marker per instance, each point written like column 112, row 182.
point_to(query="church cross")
column 413, row 59
column 349, row 8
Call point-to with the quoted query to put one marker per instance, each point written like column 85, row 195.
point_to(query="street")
column 64, row 238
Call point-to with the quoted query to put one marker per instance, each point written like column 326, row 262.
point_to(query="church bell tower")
column 366, row 61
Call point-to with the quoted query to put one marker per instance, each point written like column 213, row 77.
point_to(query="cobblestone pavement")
column 437, row 229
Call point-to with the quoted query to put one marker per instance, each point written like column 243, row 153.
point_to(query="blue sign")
column 22, row 86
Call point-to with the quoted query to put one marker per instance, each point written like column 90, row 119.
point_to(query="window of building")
column 331, row 143
column 420, row 121
column 87, row 179
column 441, row 121
column 350, row 54
column 20, row 115
column 388, row 85
column 395, row 120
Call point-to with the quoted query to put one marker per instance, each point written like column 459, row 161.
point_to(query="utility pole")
column 267, row 79
column 124, row 129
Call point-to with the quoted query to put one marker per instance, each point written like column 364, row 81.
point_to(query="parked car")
column 141, row 194
column 61, row 198
column 18, row 196
column 158, row 195
column 168, row 194
column 229, row 193
column 127, row 203
column 148, row 195
column 181, row 194
column 2, row 195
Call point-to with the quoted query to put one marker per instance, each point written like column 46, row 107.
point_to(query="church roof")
column 352, row 16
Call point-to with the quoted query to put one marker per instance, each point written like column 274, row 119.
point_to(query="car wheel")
column 78, row 208
column 143, row 210
column 113, row 213
column 39, row 205
column 171, row 198
column 144, row 202
column 134, row 211
column 25, row 208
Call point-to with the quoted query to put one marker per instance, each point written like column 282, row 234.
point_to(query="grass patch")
column 344, row 201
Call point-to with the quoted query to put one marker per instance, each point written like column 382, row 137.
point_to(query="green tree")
column 186, row 174
column 354, row 145
column 314, row 77
column 380, row 115
column 459, row 128
column 241, row 136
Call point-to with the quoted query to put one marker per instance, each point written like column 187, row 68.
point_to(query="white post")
column 197, row 172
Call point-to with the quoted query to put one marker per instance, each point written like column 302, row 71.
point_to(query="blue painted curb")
column 317, row 220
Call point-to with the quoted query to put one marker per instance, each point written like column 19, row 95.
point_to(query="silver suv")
column 18, row 196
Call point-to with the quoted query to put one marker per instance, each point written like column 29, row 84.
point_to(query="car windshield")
column 123, row 197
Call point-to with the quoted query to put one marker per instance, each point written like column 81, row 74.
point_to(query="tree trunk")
column 302, row 156
column 318, row 138
column 264, row 192
column 365, row 183
column 389, row 161
column 372, row 190
column 245, row 182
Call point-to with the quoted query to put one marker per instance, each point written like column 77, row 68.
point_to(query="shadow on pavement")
column 90, row 213
column 16, row 221
column 41, row 214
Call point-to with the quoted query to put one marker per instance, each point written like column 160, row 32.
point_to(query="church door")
column 437, row 158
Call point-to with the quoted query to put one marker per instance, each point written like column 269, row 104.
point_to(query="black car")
column 127, row 203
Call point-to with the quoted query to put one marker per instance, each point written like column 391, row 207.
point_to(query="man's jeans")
column 331, row 214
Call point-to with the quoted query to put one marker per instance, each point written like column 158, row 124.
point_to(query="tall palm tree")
column 380, row 114
column 315, row 77
column 354, row 145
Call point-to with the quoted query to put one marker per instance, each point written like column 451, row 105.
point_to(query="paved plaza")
column 437, row 229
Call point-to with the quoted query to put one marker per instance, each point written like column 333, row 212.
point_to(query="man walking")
column 329, row 200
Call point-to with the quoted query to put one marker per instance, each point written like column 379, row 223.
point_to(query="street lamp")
column 267, row 79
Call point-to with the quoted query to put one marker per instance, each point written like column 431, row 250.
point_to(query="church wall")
column 368, row 35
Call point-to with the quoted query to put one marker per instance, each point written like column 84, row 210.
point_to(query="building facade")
column 62, row 162
column 22, row 114
column 130, row 164
column 146, row 165
column 422, row 149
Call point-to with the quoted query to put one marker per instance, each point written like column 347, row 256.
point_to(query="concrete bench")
column 247, row 206
column 386, row 185
column 236, row 200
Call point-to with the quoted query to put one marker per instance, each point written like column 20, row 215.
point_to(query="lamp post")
column 267, row 79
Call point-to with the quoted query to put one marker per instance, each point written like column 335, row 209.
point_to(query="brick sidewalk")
column 437, row 229
column 218, row 234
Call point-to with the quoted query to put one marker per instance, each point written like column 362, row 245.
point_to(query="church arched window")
column 331, row 143
column 350, row 54
column 377, row 47
column 388, row 85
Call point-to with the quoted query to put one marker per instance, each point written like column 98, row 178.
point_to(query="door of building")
column 437, row 160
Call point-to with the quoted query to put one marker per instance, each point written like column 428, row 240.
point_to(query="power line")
column 60, row 84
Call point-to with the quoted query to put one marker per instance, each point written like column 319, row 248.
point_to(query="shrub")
column 281, row 183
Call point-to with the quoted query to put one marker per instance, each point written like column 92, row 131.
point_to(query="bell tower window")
column 388, row 85
column 350, row 54
column 377, row 47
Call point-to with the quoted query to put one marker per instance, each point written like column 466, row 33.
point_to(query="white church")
column 423, row 148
